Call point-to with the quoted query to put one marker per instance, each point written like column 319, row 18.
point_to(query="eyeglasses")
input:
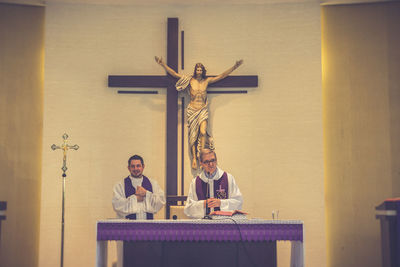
column 209, row 161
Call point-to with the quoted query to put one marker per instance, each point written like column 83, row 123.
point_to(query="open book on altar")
column 227, row 213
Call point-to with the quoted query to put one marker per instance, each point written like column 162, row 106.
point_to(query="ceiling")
column 185, row 2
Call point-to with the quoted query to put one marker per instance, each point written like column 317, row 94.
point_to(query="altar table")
column 221, row 231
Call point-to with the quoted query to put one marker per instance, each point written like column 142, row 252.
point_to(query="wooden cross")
column 167, row 81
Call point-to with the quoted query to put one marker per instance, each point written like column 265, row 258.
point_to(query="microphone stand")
column 206, row 215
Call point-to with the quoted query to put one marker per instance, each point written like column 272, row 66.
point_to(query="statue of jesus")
column 197, row 109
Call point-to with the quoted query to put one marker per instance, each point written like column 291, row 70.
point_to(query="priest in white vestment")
column 213, row 190
column 136, row 197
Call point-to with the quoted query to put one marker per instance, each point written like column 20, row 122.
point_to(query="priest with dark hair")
column 213, row 190
column 137, row 196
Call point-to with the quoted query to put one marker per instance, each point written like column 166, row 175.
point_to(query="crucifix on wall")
column 168, row 82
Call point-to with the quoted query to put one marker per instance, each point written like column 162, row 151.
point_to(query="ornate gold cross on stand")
column 64, row 147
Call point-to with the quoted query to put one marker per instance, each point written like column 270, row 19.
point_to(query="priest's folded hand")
column 140, row 191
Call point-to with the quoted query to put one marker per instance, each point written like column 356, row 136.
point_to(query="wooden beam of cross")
column 167, row 81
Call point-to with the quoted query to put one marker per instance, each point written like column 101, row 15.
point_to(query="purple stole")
column 130, row 190
column 220, row 189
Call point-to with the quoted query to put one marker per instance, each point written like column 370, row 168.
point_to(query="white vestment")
column 152, row 202
column 194, row 208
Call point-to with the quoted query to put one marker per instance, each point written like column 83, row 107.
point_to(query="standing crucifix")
column 64, row 147
column 168, row 82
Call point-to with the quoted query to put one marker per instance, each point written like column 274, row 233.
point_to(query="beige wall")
column 21, row 111
column 361, row 125
column 270, row 139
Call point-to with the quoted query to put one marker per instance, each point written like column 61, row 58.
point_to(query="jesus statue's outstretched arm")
column 225, row 73
column 167, row 68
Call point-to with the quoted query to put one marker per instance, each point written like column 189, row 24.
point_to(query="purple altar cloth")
column 200, row 230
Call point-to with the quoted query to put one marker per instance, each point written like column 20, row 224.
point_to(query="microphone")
column 206, row 213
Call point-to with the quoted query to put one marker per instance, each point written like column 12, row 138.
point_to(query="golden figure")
column 197, row 110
